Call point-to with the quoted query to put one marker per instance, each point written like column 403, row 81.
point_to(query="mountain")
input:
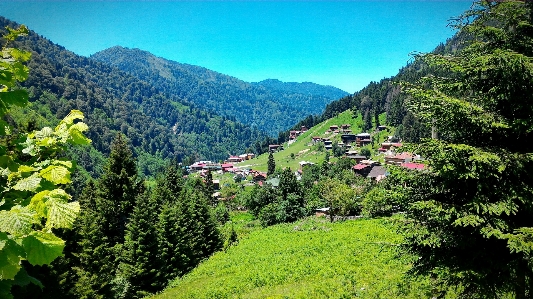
column 160, row 125
column 268, row 106
column 305, row 88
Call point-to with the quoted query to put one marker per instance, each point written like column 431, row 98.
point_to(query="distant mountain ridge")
column 309, row 88
column 271, row 105
column 159, row 125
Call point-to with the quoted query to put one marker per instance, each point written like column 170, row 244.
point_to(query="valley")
column 128, row 175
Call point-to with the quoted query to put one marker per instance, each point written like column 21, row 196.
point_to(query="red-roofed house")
column 234, row 159
column 410, row 165
column 226, row 166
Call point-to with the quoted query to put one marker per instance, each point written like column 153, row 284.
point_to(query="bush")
column 269, row 215
column 376, row 203
column 221, row 213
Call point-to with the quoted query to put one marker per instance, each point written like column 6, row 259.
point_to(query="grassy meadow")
column 311, row 258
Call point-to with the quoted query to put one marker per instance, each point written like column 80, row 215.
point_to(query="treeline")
column 129, row 240
column 160, row 126
column 266, row 106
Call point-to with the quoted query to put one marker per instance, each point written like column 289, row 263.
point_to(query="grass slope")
column 308, row 259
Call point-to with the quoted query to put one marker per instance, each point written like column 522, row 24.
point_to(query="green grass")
column 308, row 259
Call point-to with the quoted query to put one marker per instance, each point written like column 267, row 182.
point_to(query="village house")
column 234, row 159
column 275, row 147
column 322, row 212
column 413, row 166
column 377, row 173
column 226, row 166
column 362, row 169
column 259, row 176
column 398, row 158
column 334, row 128
column 348, row 138
column 317, row 139
column 304, row 129
column 382, row 128
column 362, row 139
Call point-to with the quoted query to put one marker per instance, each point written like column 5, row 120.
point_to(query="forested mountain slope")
column 160, row 125
column 268, row 105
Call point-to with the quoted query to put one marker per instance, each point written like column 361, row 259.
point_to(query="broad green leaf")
column 56, row 174
column 67, row 164
column 17, row 97
column 73, row 115
column 28, row 147
column 19, row 54
column 17, row 221
column 76, row 137
column 28, row 184
column 26, row 168
column 38, row 203
column 60, row 213
column 23, row 279
column 10, row 256
column 44, row 132
column 42, row 248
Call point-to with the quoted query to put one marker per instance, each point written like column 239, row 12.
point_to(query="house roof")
column 413, row 165
column 227, row 165
column 377, row 171
column 360, row 166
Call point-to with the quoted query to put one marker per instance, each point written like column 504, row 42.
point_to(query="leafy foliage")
column 33, row 200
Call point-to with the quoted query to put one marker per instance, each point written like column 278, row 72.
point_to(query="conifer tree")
column 139, row 267
column 117, row 189
column 470, row 216
column 271, row 164
column 95, row 267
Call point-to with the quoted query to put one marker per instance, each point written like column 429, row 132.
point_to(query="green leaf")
column 73, row 115
column 23, row 279
column 17, row 97
column 28, row 184
column 10, row 256
column 17, row 221
column 61, row 214
column 42, row 248
column 67, row 164
column 56, row 174
column 38, row 203
column 76, row 137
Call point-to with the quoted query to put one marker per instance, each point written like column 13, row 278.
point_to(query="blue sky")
column 346, row 44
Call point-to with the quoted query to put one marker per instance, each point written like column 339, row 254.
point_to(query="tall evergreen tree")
column 95, row 267
column 271, row 164
column 117, row 189
column 471, row 215
column 139, row 267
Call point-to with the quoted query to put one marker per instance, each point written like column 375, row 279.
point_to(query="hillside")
column 312, row 258
column 160, row 125
column 267, row 106
column 303, row 148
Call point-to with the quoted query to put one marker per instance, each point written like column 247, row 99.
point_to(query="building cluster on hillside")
column 374, row 170
column 294, row 134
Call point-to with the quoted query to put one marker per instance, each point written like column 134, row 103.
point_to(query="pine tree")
column 139, row 266
column 271, row 164
column 118, row 187
column 470, row 216
column 95, row 267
